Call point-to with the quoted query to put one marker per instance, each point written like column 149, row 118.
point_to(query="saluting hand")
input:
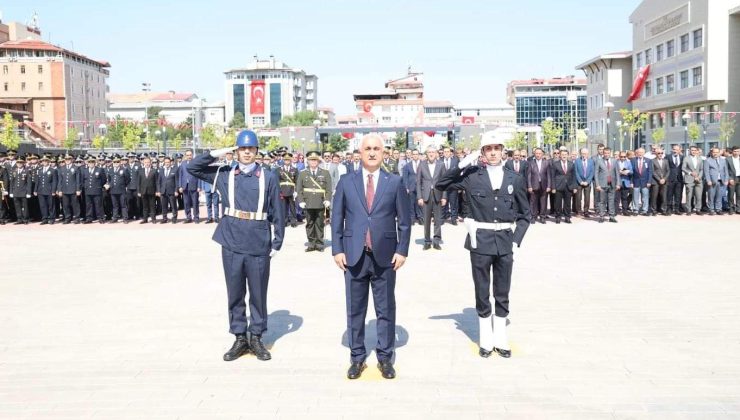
column 398, row 261
column 443, row 202
column 341, row 261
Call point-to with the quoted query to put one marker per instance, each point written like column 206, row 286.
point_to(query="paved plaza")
column 634, row 320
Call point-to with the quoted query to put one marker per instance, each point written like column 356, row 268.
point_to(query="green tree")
column 517, row 141
column 10, row 137
column 228, row 139
column 658, row 135
column 632, row 120
column 551, row 132
column 299, row 119
column 726, row 128
column 100, row 142
column 70, row 141
column 296, row 145
column 238, row 121
column 131, row 136
column 337, row 143
column 269, row 144
column 208, row 137
column 694, row 132
column 176, row 142
column 400, row 140
column 153, row 113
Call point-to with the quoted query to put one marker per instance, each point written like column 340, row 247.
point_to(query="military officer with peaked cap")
column 93, row 178
column 118, row 177
column 288, row 174
column 498, row 217
column 45, row 188
column 313, row 189
column 251, row 196
column 20, row 190
column 69, row 188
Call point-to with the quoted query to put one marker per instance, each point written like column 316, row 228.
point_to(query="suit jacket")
column 625, row 180
column 20, row 183
column 186, row 181
column 118, row 179
column 603, row 171
column 539, row 179
column 675, row 174
column 409, row 176
column 147, row 184
column 167, row 184
column 351, row 167
column 687, row 167
column 661, row 170
column 93, row 180
column 425, row 181
column 641, row 176
column 731, row 172
column 562, row 181
column 715, row 170
column 523, row 165
column 390, row 166
column 453, row 163
column 287, row 180
column 46, row 181
column 388, row 220
column 586, row 175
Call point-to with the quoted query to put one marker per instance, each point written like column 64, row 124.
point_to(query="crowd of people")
column 561, row 185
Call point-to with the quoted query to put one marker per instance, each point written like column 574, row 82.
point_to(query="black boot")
column 240, row 348
column 258, row 348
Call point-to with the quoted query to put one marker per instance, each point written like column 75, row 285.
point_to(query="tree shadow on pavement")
column 280, row 323
column 467, row 322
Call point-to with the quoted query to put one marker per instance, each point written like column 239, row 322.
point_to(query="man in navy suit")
column 371, row 232
column 642, row 176
column 408, row 174
column 190, row 189
column 585, row 171
column 167, row 184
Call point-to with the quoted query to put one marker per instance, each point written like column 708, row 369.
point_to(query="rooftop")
column 604, row 57
column 36, row 45
column 140, row 97
column 567, row 80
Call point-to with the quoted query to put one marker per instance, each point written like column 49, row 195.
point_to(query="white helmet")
column 490, row 139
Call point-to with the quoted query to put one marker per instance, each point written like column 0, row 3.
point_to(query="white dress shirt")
column 736, row 164
column 375, row 174
column 496, row 175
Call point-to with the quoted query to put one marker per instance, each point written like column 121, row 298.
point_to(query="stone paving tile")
column 605, row 323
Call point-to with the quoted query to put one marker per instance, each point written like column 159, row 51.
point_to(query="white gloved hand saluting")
column 302, row 205
column 327, row 204
column 470, row 159
column 273, row 252
column 295, row 194
column 221, row 152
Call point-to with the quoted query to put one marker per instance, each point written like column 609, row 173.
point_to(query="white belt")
column 473, row 227
column 246, row 215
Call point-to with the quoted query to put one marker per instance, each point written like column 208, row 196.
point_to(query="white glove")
column 295, row 194
column 11, row 195
column 221, row 152
column 28, row 195
column 302, row 205
column 327, row 204
column 273, row 252
column 5, row 193
column 470, row 159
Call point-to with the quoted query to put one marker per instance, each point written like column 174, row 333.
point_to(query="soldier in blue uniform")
column 20, row 190
column 68, row 189
column 118, row 178
column 252, row 204
column 45, row 188
column 93, row 179
column 4, row 185
column 498, row 216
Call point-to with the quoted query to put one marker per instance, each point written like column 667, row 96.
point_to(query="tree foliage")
column 400, row 140
column 70, row 141
column 658, row 135
column 238, row 121
column 130, row 136
column 632, row 120
column 10, row 137
column 337, row 143
column 299, row 119
column 296, row 145
column 100, row 142
column 268, row 144
column 208, row 136
column 517, row 141
column 726, row 128
column 551, row 132
column 694, row 131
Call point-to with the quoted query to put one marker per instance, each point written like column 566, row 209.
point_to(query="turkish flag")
column 430, row 133
column 468, row 120
column 257, row 95
column 348, row 135
column 642, row 76
column 367, row 106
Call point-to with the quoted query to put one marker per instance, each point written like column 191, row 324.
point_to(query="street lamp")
column 550, row 120
column 162, row 133
column 146, row 87
column 704, row 131
column 686, row 117
column 80, row 135
column 316, row 124
column 102, row 128
column 609, row 105
column 619, row 129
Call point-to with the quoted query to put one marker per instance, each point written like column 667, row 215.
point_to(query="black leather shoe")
column 319, row 248
column 310, row 248
column 601, row 220
column 164, row 221
column 386, row 369
column 209, row 221
column 66, row 222
column 259, row 350
column 293, row 225
column 143, row 222
column 239, row 349
column 612, row 220
column 77, row 221
column 503, row 353
column 437, row 247
column 567, row 220
column 197, row 221
column 188, row 221
column 426, row 247
column 174, row 221
column 355, row 370
column 557, row 221
column 454, row 222
column 44, row 222
column 484, row 353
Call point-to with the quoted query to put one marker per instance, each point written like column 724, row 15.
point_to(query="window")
column 698, row 38
column 23, row 86
column 5, row 86
column 5, row 69
column 42, row 106
column 648, row 90
column 41, row 86
column 41, row 69
column 673, row 119
column 713, row 110
column 659, row 86
column 648, row 56
column 684, row 122
column 684, row 43
column 699, row 114
column 670, row 83
column 659, row 53
column 696, row 73
column 670, row 48
column 684, row 79
column 652, row 121
column 638, row 60
column 23, row 69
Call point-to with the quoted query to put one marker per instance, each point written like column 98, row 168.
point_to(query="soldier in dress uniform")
column 4, row 186
column 118, row 177
column 44, row 189
column 389, row 164
column 93, row 179
column 69, row 189
column 288, row 174
column 32, row 165
column 107, row 202
column 252, row 195
column 498, row 217
column 133, row 201
column 313, row 194
column 20, row 190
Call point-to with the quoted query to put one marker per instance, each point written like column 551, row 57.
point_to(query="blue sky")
column 468, row 50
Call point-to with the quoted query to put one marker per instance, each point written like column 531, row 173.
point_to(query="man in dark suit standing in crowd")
column 563, row 186
column 538, row 185
column 44, row 189
column 659, row 189
column 451, row 210
column 147, row 189
column 93, row 179
column 189, row 188
column 408, row 174
column 167, row 186
column 430, row 199
column 675, row 181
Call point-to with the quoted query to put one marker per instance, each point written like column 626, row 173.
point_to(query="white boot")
column 500, row 340
column 485, row 333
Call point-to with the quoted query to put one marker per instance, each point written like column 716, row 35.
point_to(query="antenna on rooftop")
column 34, row 21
